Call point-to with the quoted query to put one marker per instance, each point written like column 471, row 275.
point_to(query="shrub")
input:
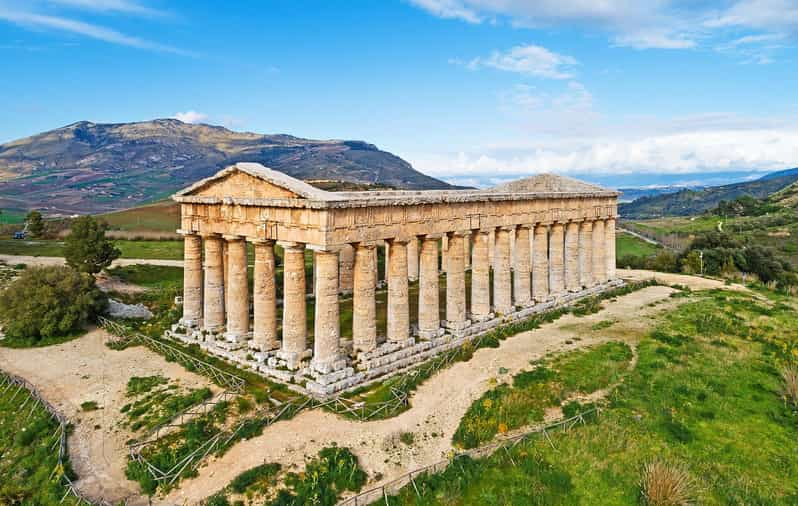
column 665, row 485
column 49, row 302
column 89, row 406
column 86, row 248
column 790, row 376
column 245, row 480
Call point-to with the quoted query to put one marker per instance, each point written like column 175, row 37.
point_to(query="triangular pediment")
column 252, row 181
column 546, row 183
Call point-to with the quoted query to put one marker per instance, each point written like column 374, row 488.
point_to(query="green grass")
column 705, row 395
column 157, row 401
column 163, row 216
column 159, row 250
column 29, row 470
column 12, row 216
column 626, row 244
column 13, row 342
column 548, row 385
column 150, row 276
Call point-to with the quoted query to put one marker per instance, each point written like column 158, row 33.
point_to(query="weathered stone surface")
column 599, row 263
column 412, row 259
column 237, row 290
column 609, row 251
column 294, row 306
column 572, row 283
column 586, row 253
column 502, row 296
column 398, row 303
column 213, row 293
column 455, row 283
column 327, row 328
column 264, row 336
column 121, row 310
column 540, row 264
column 429, row 320
column 346, row 266
column 557, row 259
column 364, row 311
column 522, row 293
column 480, row 277
column 192, row 280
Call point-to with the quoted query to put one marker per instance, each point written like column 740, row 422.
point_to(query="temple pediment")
column 252, row 181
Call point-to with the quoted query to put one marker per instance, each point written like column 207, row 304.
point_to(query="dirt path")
column 86, row 370
column 438, row 405
column 121, row 262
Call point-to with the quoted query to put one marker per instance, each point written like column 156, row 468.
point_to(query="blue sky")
column 463, row 89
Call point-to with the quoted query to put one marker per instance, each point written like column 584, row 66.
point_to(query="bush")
column 665, row 485
column 790, row 376
column 86, row 248
column 47, row 303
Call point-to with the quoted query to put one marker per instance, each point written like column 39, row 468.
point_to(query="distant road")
column 121, row 262
column 642, row 237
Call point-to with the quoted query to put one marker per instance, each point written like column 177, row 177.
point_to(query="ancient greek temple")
column 501, row 254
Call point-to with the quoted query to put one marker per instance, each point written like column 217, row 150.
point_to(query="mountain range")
column 91, row 167
column 689, row 201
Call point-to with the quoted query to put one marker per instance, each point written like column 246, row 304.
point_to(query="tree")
column 35, row 223
column 86, row 248
column 49, row 302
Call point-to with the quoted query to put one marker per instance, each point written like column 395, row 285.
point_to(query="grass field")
column 626, row 244
column 163, row 216
column 163, row 250
column 704, row 397
column 12, row 216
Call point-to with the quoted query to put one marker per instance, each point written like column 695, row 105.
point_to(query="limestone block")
column 599, row 262
column 213, row 292
column 455, row 283
column 346, row 266
column 540, row 264
column 522, row 294
column 264, row 336
column 609, row 252
column 556, row 259
column 398, row 304
column 428, row 294
column 364, row 319
column 412, row 259
column 192, row 280
column 502, row 296
column 327, row 328
column 294, row 303
column 480, row 277
column 586, row 253
column 572, row 282
column 237, row 289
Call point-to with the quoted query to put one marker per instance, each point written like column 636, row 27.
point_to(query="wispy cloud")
column 529, row 60
column 38, row 21
column 111, row 6
column 191, row 116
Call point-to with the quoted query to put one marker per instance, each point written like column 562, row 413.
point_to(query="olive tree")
column 86, row 248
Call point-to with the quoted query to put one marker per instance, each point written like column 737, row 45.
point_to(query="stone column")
column 213, row 293
column 540, row 264
column 364, row 304
column 327, row 327
column 586, row 253
column 492, row 249
column 556, row 257
column 467, row 250
column 387, row 263
column 455, row 284
column 502, row 289
column 346, row 266
column 237, row 290
column 398, row 304
column 412, row 259
column 521, row 286
column 444, row 253
column 609, row 234
column 264, row 335
column 572, row 283
column 480, row 277
column 429, row 319
column 295, row 325
column 192, row 280
column 599, row 265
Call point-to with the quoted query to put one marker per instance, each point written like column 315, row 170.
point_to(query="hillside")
column 88, row 167
column 787, row 196
column 690, row 202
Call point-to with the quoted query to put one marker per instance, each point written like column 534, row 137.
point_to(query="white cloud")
column 687, row 152
column 530, row 60
column 35, row 20
column 655, row 39
column 781, row 15
column 191, row 116
column 120, row 6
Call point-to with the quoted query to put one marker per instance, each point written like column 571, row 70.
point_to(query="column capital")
column 291, row 245
column 186, row 232
column 233, row 237
column 525, row 225
column 210, row 235
column 325, row 248
column 261, row 242
column 434, row 236
column 398, row 240
column 460, row 233
column 365, row 245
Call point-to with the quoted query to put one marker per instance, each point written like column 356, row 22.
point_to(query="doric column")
column 609, row 234
column 502, row 283
column 327, row 327
column 521, row 286
column 572, row 283
column 364, row 304
column 346, row 266
column 213, row 293
column 480, row 277
column 586, row 253
column 237, row 290
column 295, row 326
column 492, row 249
column 455, row 284
column 412, row 259
column 387, row 263
column 467, row 250
column 444, row 253
column 398, row 304
column 540, row 264
column 225, row 273
column 192, row 280
column 556, row 257
column 429, row 319
column 264, row 335
column 599, row 265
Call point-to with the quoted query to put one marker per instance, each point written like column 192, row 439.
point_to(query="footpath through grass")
column 706, row 397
